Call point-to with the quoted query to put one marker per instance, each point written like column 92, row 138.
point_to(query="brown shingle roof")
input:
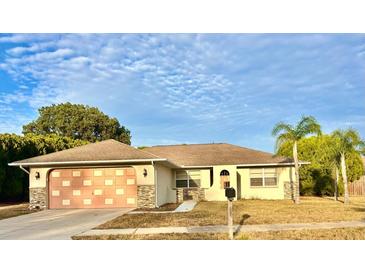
column 109, row 150
column 214, row 154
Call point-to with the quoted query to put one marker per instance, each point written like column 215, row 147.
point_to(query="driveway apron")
column 56, row 224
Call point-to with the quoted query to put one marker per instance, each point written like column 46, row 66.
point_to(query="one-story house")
column 111, row 174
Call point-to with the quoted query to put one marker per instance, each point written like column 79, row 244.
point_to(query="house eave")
column 87, row 162
column 247, row 165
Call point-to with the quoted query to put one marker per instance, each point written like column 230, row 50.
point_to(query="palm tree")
column 347, row 141
column 289, row 133
column 334, row 161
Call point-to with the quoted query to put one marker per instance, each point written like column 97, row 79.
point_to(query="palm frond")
column 348, row 140
column 283, row 138
column 282, row 127
column 307, row 125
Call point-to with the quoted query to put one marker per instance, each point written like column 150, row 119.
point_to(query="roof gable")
column 109, row 150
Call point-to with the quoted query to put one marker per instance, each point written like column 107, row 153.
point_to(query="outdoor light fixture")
column 144, row 172
column 37, row 175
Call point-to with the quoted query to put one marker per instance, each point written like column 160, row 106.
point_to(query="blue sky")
column 183, row 88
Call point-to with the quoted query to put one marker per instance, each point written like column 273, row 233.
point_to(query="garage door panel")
column 130, row 172
column 92, row 188
column 87, row 192
column 109, row 191
column 98, row 181
column 109, row 172
column 98, row 172
column 130, row 191
column 75, row 182
column 87, row 173
column 65, row 173
column 109, row 181
column 119, row 181
column 87, row 181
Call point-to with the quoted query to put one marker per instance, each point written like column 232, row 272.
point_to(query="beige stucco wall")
column 239, row 179
column 272, row 193
column 165, row 184
column 42, row 181
column 216, row 192
column 149, row 179
column 205, row 178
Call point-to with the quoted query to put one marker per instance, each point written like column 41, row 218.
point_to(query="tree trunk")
column 336, row 184
column 344, row 178
column 296, row 163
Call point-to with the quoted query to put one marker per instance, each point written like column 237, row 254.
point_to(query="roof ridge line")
column 221, row 143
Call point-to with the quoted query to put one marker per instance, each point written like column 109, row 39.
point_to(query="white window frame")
column 187, row 178
column 263, row 178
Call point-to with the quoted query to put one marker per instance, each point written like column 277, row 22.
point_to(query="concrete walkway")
column 186, row 206
column 55, row 224
column 224, row 228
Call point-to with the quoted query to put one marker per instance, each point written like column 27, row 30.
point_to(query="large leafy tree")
column 293, row 133
column 78, row 122
column 346, row 142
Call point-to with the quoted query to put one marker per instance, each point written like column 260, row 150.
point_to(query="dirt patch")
column 15, row 210
column 165, row 207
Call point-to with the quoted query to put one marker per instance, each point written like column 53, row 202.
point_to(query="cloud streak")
column 169, row 87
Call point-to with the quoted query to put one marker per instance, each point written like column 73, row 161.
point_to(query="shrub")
column 318, row 177
column 13, row 181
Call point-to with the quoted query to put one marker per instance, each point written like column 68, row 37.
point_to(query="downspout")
column 26, row 171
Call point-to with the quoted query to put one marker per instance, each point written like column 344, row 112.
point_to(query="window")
column 256, row 177
column 225, row 182
column 188, row 178
column 262, row 177
column 224, row 172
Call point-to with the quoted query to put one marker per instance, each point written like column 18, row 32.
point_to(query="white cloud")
column 174, row 82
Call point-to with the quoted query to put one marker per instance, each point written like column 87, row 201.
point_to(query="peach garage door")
column 92, row 188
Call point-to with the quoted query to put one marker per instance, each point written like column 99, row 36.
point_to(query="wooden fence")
column 357, row 188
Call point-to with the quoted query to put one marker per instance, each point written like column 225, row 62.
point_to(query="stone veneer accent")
column 38, row 198
column 289, row 190
column 146, row 196
column 198, row 194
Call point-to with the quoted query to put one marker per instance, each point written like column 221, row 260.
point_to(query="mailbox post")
column 230, row 194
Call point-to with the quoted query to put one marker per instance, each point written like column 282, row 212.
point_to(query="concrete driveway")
column 56, row 224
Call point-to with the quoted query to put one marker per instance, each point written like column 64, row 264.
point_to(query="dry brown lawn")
column 317, row 234
column 14, row 211
column 311, row 209
column 320, row 234
column 167, row 236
